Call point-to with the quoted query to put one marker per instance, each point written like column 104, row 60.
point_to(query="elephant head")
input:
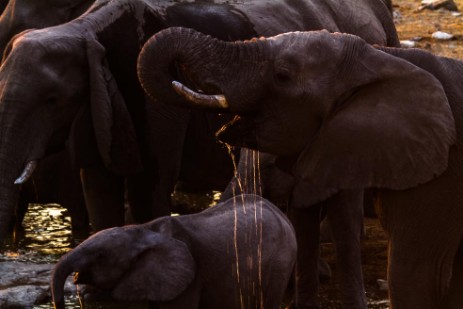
column 20, row 15
column 56, row 89
column 132, row 262
column 339, row 112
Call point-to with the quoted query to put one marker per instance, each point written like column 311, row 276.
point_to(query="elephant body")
column 354, row 116
column 237, row 254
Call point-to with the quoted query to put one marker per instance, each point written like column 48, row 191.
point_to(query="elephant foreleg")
column 345, row 217
column 306, row 222
column 104, row 197
column 166, row 135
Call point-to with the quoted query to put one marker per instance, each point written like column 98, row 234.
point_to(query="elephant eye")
column 283, row 76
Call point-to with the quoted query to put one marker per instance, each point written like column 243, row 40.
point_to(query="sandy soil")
column 418, row 26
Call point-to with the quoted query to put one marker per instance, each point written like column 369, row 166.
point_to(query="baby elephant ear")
column 160, row 273
column 394, row 131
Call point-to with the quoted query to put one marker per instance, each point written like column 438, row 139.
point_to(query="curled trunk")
column 199, row 61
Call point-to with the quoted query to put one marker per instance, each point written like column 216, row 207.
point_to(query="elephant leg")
column 166, row 134
column 73, row 200
column 306, row 222
column 104, row 197
column 454, row 299
column 345, row 218
column 425, row 234
column 139, row 189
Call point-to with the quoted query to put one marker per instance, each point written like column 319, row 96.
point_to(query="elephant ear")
column 160, row 273
column 394, row 130
column 114, row 131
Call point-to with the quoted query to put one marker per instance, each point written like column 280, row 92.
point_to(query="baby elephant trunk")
column 62, row 270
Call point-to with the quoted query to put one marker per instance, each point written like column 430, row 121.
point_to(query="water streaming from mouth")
column 249, row 183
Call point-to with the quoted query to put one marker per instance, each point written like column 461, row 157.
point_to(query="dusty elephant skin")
column 356, row 116
column 237, row 254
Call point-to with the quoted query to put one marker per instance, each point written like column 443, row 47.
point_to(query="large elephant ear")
column 160, row 273
column 114, row 131
column 394, row 131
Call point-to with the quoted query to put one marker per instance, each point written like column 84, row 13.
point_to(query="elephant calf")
column 238, row 254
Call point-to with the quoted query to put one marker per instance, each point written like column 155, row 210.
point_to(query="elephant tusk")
column 216, row 101
column 27, row 173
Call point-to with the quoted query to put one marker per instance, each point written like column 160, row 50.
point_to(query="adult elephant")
column 346, row 115
column 54, row 181
column 368, row 19
column 177, row 262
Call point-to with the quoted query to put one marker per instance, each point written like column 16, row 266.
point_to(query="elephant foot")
column 294, row 306
column 88, row 293
column 324, row 271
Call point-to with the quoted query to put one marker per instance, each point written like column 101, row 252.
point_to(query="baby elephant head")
column 132, row 263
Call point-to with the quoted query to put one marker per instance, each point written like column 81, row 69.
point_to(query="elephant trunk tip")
column 60, row 273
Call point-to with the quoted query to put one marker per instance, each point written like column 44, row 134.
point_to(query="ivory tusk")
column 216, row 101
column 27, row 173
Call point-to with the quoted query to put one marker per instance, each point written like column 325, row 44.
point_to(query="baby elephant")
column 237, row 254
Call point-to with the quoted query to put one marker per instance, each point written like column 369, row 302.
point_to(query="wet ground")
column 47, row 235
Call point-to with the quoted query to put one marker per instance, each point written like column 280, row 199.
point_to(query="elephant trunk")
column 202, row 62
column 65, row 266
column 12, row 160
column 18, row 156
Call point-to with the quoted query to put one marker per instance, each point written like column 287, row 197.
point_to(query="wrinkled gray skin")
column 112, row 134
column 353, row 116
column 368, row 19
column 20, row 15
column 54, row 181
column 237, row 254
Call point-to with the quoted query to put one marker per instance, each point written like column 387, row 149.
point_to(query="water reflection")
column 46, row 236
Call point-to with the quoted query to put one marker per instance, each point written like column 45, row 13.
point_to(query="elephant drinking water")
column 344, row 115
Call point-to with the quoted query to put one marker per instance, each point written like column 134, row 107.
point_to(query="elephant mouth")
column 241, row 132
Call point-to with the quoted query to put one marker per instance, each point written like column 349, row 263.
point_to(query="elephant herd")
column 120, row 100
